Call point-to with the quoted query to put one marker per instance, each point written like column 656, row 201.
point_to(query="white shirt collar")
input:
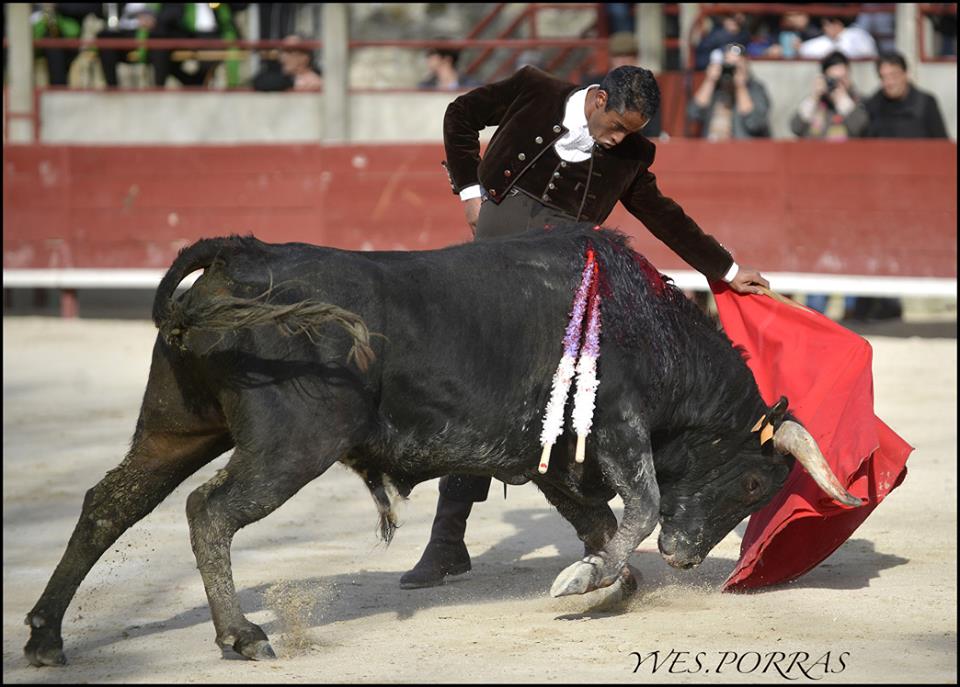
column 577, row 143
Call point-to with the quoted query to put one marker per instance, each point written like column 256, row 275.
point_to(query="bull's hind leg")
column 252, row 485
column 632, row 474
column 155, row 465
column 173, row 439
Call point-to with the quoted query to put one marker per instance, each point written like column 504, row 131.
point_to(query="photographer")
column 834, row 110
column 730, row 103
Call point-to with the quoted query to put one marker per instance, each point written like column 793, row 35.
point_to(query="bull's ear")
column 778, row 411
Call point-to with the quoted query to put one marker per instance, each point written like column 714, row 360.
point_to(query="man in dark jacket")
column 899, row 109
column 561, row 153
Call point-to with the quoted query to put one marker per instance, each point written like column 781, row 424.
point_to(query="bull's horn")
column 794, row 439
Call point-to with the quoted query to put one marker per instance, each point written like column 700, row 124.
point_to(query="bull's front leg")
column 627, row 463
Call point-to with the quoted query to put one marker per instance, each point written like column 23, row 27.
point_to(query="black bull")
column 406, row 366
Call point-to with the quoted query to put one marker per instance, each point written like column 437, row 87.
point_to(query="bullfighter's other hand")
column 471, row 209
column 748, row 280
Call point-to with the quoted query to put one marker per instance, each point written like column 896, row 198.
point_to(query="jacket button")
column 521, row 157
column 556, row 128
column 493, row 192
column 551, row 186
column 556, row 174
column 539, row 139
column 545, row 196
column 563, row 164
column 506, row 172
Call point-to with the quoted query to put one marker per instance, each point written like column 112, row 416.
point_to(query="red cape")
column 825, row 372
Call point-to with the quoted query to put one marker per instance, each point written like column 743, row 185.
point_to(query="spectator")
column 834, row 111
column 881, row 25
column 897, row 110
column 623, row 52
column 297, row 70
column 795, row 28
column 620, row 17
column 730, row 103
column 442, row 63
column 194, row 20
column 277, row 20
column 727, row 28
column 852, row 41
column 60, row 20
column 946, row 27
column 135, row 20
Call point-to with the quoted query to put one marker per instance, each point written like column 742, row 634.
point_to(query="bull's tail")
column 198, row 256
column 224, row 312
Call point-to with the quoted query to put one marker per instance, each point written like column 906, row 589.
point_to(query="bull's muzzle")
column 794, row 439
column 674, row 556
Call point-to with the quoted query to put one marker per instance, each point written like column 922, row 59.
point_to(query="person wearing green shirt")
column 195, row 20
column 60, row 20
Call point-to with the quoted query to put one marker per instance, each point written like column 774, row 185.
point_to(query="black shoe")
column 446, row 554
column 439, row 559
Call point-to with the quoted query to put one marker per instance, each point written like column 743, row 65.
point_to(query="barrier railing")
column 780, row 205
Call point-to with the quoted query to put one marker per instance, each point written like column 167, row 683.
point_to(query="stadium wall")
column 862, row 210
column 170, row 117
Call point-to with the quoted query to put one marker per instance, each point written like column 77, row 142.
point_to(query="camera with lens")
column 831, row 85
column 726, row 72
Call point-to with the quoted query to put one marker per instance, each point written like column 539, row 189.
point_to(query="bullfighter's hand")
column 472, row 210
column 748, row 280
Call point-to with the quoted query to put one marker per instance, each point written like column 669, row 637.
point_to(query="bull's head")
column 727, row 479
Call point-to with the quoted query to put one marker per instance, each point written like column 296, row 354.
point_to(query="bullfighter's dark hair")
column 632, row 88
column 892, row 57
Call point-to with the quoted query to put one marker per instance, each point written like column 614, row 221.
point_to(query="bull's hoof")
column 614, row 597
column 259, row 650
column 41, row 653
column 581, row 577
column 250, row 642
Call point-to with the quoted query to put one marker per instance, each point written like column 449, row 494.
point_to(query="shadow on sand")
column 501, row 573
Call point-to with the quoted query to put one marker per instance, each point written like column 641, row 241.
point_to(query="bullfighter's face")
column 609, row 127
column 702, row 507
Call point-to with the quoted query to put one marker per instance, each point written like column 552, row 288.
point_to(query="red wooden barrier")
column 862, row 207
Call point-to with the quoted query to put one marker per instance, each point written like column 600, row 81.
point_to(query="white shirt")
column 576, row 144
column 573, row 146
column 205, row 19
column 853, row 42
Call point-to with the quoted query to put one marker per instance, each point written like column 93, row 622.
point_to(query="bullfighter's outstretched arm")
column 669, row 223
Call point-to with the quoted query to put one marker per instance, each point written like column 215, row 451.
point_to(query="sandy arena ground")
column 315, row 577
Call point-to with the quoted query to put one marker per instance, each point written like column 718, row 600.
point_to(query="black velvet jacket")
column 528, row 109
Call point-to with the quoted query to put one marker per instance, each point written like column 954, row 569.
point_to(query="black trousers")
column 515, row 214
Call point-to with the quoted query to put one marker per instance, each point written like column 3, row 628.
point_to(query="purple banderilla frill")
column 562, row 378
